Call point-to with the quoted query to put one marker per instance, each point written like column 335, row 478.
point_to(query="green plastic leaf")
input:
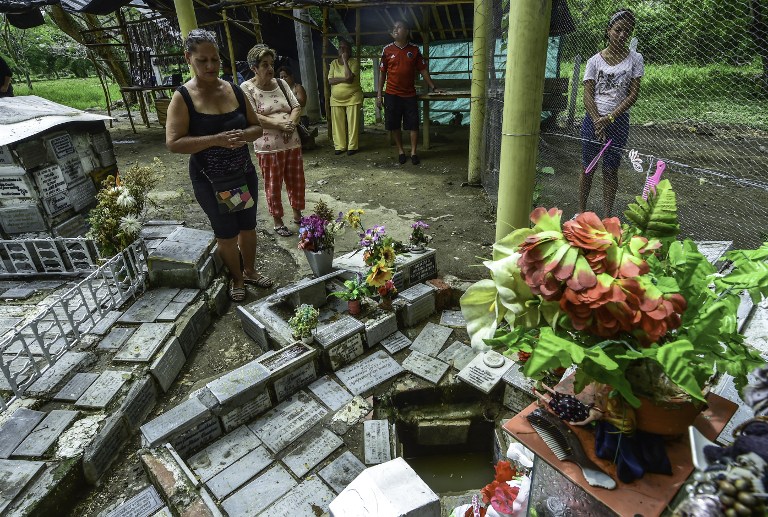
column 547, row 170
column 481, row 310
column 656, row 217
column 676, row 358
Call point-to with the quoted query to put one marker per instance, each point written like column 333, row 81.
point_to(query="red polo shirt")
column 401, row 66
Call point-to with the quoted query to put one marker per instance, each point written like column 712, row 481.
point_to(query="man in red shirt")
column 400, row 60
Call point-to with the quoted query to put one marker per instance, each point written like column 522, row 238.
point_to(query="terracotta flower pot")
column 353, row 306
column 670, row 418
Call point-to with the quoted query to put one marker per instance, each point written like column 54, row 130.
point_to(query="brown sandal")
column 283, row 231
column 259, row 281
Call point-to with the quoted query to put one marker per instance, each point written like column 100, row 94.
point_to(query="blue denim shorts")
column 618, row 132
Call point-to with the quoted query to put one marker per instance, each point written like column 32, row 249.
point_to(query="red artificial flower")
column 503, row 498
column 504, row 471
column 471, row 512
column 488, row 491
column 588, row 232
column 523, row 356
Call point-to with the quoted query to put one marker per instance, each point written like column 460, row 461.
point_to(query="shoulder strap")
column 282, row 88
column 240, row 98
column 187, row 99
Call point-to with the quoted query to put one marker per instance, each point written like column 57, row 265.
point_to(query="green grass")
column 76, row 93
column 715, row 94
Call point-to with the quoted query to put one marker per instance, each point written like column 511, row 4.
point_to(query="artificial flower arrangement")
column 379, row 250
column 633, row 309
column 506, row 495
column 115, row 221
column 304, row 321
column 418, row 238
column 317, row 232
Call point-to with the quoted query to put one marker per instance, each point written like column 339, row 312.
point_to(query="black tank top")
column 217, row 161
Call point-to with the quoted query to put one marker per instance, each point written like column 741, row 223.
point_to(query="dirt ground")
column 461, row 219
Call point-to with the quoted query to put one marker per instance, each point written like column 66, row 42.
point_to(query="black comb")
column 567, row 447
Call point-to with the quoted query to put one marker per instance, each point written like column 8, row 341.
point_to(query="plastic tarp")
column 443, row 59
column 29, row 115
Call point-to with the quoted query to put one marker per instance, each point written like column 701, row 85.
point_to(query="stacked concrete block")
column 183, row 259
column 417, row 302
column 290, row 369
column 239, row 396
column 340, row 342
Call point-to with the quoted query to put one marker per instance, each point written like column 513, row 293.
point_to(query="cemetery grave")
column 285, row 433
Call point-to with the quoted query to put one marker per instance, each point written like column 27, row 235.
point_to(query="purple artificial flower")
column 419, row 225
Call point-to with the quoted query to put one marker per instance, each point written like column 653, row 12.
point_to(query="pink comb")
column 597, row 158
column 652, row 181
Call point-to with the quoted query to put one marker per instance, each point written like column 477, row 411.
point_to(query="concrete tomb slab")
column 143, row 344
column 395, row 342
column 431, row 339
column 369, row 372
column 237, row 474
column 257, row 495
column 15, row 476
column 313, row 448
column 175, row 421
column 76, row 386
column 330, row 392
column 288, row 421
column 103, row 390
column 341, row 471
column 377, row 445
column 168, row 363
column 116, row 338
column 306, row 500
column 144, row 504
column 223, row 452
column 147, row 308
column 457, row 354
column 17, row 428
column 43, row 436
column 425, row 366
column 481, row 375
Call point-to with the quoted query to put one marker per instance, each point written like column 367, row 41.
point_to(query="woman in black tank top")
column 209, row 119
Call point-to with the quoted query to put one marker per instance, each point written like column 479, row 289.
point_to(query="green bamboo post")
column 230, row 45
column 185, row 13
column 478, row 91
column 523, row 94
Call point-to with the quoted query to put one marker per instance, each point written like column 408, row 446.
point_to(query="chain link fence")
column 702, row 109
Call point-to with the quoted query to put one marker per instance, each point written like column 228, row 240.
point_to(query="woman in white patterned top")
column 279, row 148
column 611, row 87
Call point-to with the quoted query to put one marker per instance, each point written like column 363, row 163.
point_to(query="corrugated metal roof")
column 29, row 115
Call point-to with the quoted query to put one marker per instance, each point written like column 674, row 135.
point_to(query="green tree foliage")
column 45, row 51
column 670, row 31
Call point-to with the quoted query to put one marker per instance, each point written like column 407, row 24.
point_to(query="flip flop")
column 259, row 281
column 236, row 294
column 402, row 158
column 283, row 231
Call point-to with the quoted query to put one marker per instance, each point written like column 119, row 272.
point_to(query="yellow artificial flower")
column 378, row 275
column 388, row 254
column 353, row 217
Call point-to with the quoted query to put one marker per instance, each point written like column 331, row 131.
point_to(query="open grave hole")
column 446, row 434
